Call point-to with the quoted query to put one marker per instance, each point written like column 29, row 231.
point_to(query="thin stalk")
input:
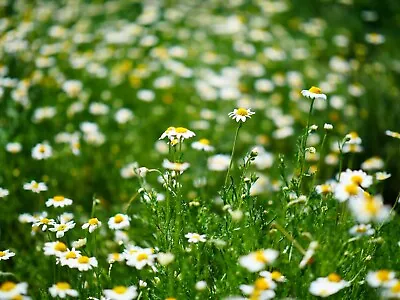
column 304, row 142
column 289, row 237
column 319, row 161
column 232, row 154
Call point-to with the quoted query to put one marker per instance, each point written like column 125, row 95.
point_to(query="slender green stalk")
column 304, row 143
column 289, row 237
column 319, row 161
column 232, row 154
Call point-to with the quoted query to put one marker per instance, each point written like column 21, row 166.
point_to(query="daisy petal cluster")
column 327, row 286
column 241, row 114
column 258, row 260
column 314, row 93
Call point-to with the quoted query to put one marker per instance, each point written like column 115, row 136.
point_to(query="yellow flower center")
column 383, row 275
column 58, row 198
column 315, row 90
column 396, row 288
column 70, row 255
column 371, row 206
column 2, row 253
column 60, row 247
column 325, row 188
column 7, row 286
column 259, row 256
column 120, row 289
column 181, row 130
column 42, row 149
column 35, row 185
column 242, row 112
column 351, row 189
column 44, row 221
column 142, row 256
column 83, row 260
column 333, row 277
column 17, row 297
column 118, row 219
column 276, row 275
column 116, row 256
column 204, row 142
column 61, row 227
column 63, row 286
column 93, row 221
column 357, row 179
column 361, row 229
column 196, row 236
column 261, row 284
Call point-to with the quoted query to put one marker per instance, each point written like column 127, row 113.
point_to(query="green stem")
column 289, row 237
column 232, row 154
column 304, row 143
column 319, row 162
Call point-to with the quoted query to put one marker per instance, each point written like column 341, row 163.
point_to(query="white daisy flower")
column 392, row 290
column 121, row 293
column 85, row 263
column 13, row 147
column 367, row 208
column 175, row 166
column 359, row 178
column 361, row 230
column 58, row 201
column 4, row 192
column 42, row 151
column 119, row 221
column 6, row 254
column 256, row 261
column 54, row 248
column 62, row 290
column 241, row 114
column 314, row 93
column 92, row 224
column 69, row 257
column 62, row 228
column 327, row 286
column 139, row 257
column 9, row 289
column 44, row 223
column 382, row 176
column 35, row 187
column 195, row 237
column 346, row 190
column 380, row 278
column 203, row 145
column 218, row 162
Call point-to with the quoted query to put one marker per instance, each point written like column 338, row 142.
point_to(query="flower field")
column 199, row 149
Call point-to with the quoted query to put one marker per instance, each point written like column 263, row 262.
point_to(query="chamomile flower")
column 203, row 145
column 169, row 133
column 62, row 228
column 4, row 192
column 35, row 187
column 92, row 224
column 69, row 257
column 55, row 248
column 182, row 133
column 58, row 201
column 85, row 263
column 359, row 178
column 165, row 258
column 380, row 176
column 367, row 208
column 13, row 148
column 44, row 223
column 379, row 278
column 373, row 163
column 72, row 87
column 327, row 286
column 121, row 293
column 119, row 221
column 6, row 254
column 139, row 257
column 175, row 166
column 346, row 190
column 256, row 261
column 195, row 237
column 241, row 114
column 361, row 230
column 392, row 290
column 62, row 290
column 113, row 257
column 314, row 93
column 42, row 151
column 10, row 289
